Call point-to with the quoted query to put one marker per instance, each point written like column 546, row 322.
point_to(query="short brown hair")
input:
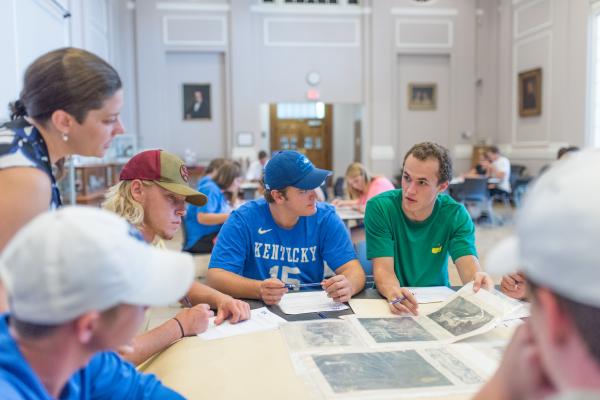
column 267, row 193
column 429, row 150
column 585, row 318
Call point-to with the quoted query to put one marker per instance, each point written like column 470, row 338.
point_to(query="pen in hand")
column 399, row 299
column 186, row 302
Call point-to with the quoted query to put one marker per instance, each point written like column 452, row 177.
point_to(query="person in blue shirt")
column 203, row 223
column 285, row 238
column 76, row 298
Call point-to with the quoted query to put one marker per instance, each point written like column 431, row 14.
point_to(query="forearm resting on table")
column 385, row 277
column 149, row 343
column 233, row 284
column 212, row 218
column 467, row 267
column 353, row 271
column 200, row 293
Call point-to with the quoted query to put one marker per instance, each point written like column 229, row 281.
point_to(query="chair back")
column 338, row 187
column 361, row 253
column 475, row 189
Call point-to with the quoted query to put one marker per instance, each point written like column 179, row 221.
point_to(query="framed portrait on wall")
column 422, row 96
column 196, row 101
column 530, row 93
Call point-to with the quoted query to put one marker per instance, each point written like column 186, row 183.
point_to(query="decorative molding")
column 411, row 11
column 221, row 42
column 382, row 153
column 268, row 40
column 516, row 17
column 546, row 152
column 168, row 6
column 546, row 90
column 450, row 33
column 309, row 9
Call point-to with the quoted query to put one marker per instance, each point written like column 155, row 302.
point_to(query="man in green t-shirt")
column 410, row 232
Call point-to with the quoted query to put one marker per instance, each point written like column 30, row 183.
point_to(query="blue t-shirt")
column 251, row 244
column 216, row 204
column 106, row 376
column 22, row 145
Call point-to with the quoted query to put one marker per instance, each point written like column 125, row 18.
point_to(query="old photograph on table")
column 465, row 314
column 379, row 374
column 304, row 336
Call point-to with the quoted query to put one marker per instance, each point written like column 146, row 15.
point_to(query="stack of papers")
column 261, row 319
column 307, row 302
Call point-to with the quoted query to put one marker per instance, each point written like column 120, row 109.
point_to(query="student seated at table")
column 480, row 170
column 362, row 186
column 76, row 291
column 411, row 231
column 203, row 223
column 152, row 196
column 555, row 354
column 256, row 167
column 497, row 167
column 285, row 238
column 211, row 169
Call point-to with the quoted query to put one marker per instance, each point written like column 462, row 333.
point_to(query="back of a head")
column 565, row 151
column 86, row 259
column 227, row 173
column 557, row 229
column 262, row 155
column 433, row 151
column 69, row 79
column 214, row 165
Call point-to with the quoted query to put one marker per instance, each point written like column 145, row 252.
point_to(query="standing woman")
column 70, row 104
column 361, row 186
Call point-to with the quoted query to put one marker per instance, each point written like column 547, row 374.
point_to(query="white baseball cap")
column 558, row 231
column 77, row 259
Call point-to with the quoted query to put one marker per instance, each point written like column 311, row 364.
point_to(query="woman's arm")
column 212, row 218
column 26, row 193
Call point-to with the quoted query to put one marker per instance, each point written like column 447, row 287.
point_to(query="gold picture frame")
column 530, row 93
column 422, row 96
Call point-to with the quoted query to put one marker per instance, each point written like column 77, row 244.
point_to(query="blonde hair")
column 354, row 170
column 119, row 200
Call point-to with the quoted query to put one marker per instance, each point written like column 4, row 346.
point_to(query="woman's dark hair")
column 69, row 79
column 227, row 173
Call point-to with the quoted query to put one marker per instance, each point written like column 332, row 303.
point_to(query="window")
column 594, row 105
column 301, row 110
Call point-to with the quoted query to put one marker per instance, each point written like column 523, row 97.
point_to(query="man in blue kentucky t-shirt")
column 285, row 239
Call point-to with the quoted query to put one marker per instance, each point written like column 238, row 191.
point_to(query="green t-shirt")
column 420, row 249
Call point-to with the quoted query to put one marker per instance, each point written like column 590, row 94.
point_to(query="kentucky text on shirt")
column 271, row 251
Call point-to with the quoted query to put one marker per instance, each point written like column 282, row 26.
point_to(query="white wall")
column 344, row 116
column 28, row 28
column 551, row 34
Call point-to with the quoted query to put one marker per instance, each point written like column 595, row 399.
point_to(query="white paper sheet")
column 433, row 294
column 261, row 319
column 307, row 302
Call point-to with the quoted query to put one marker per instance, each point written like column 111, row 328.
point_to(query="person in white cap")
column 556, row 352
column 151, row 196
column 75, row 293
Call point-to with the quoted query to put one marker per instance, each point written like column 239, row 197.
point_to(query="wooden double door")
column 311, row 137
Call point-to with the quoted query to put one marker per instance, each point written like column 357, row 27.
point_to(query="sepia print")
column 394, row 329
column 460, row 317
column 352, row 372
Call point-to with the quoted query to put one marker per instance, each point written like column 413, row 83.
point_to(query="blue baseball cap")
column 290, row 168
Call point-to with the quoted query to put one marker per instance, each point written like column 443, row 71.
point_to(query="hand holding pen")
column 403, row 301
column 338, row 287
column 272, row 290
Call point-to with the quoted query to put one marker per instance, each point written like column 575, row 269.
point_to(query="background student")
column 362, row 186
column 202, row 224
